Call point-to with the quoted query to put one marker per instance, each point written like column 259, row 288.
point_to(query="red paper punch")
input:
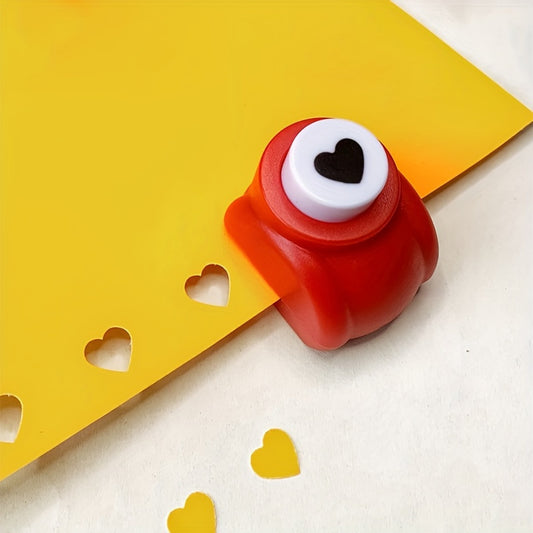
column 335, row 229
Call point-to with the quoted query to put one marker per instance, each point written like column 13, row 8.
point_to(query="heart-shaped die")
column 345, row 164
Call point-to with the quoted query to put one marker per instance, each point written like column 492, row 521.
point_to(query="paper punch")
column 335, row 229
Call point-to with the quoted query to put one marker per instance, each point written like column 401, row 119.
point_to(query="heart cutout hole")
column 10, row 417
column 211, row 287
column 111, row 352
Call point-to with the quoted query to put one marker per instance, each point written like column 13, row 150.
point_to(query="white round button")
column 334, row 170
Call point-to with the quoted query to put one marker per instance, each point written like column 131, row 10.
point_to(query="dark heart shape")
column 346, row 164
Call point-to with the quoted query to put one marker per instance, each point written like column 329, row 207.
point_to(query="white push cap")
column 334, row 170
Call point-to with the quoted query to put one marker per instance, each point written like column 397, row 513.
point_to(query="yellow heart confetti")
column 277, row 458
column 196, row 516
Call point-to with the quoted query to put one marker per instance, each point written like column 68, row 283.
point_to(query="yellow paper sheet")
column 126, row 129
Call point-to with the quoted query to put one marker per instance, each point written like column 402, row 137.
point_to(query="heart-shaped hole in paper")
column 211, row 287
column 10, row 417
column 197, row 515
column 112, row 351
column 277, row 458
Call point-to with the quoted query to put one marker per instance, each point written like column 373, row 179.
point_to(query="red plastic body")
column 336, row 281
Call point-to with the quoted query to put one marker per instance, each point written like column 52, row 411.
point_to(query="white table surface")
column 426, row 427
